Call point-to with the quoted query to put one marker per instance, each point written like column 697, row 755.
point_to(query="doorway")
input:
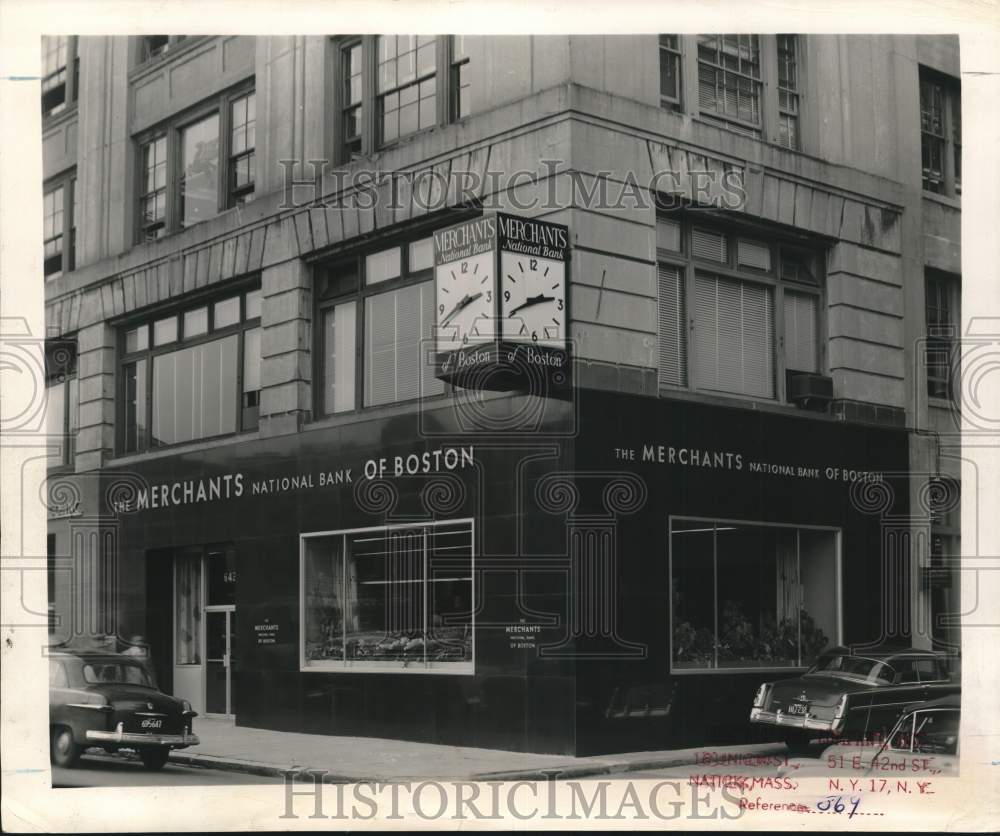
column 205, row 628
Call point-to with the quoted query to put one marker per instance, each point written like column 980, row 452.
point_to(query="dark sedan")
column 851, row 695
column 111, row 701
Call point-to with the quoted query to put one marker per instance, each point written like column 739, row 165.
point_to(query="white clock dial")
column 465, row 301
column 533, row 299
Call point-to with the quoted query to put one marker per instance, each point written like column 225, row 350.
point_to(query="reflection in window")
column 751, row 596
column 399, row 597
column 187, row 591
column 200, row 171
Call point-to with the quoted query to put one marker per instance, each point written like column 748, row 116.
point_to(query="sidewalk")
column 350, row 759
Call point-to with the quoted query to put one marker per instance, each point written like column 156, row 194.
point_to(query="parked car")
column 924, row 742
column 110, row 700
column 851, row 695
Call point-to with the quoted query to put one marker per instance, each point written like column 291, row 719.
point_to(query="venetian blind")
column 398, row 330
column 800, row 332
column 671, row 328
column 734, row 336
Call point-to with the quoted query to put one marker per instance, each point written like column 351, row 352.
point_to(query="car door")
column 934, row 679
column 889, row 700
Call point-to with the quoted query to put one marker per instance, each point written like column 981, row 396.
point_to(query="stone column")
column 286, row 365
column 95, row 440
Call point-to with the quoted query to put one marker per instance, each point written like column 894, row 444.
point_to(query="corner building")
column 260, row 471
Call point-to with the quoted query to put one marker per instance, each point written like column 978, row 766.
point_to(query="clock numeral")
column 465, row 267
column 534, row 336
column 465, row 339
column 533, row 264
column 440, row 309
column 506, row 296
column 489, row 295
column 560, row 303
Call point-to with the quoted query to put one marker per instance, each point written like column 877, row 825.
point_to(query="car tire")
column 64, row 751
column 797, row 743
column 154, row 759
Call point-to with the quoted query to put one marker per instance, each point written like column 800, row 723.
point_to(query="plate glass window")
column 153, row 192
column 748, row 595
column 399, row 597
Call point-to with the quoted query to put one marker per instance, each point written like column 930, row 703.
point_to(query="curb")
column 308, row 773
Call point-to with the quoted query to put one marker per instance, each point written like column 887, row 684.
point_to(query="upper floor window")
column 376, row 315
column 670, row 72
column 735, row 310
column 59, row 218
column 748, row 83
column 940, row 133
column 195, row 167
column 942, row 307
column 153, row 46
column 60, row 73
column 788, row 90
column 62, row 400
column 392, row 86
column 729, row 80
column 191, row 374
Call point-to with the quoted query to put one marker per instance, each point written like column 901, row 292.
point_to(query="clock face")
column 533, row 299
column 466, row 303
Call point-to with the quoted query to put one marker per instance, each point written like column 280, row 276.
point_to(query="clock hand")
column 462, row 304
column 532, row 300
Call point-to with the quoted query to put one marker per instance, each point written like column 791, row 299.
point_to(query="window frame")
column 835, row 641
column 66, row 377
column 72, row 69
column 769, row 129
column 355, row 260
column 349, row 667
column 67, row 181
column 370, row 140
column 690, row 266
column 126, row 358
column 950, row 285
column 949, row 139
column 172, row 130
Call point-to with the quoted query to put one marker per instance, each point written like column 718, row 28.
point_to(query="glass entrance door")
column 220, row 644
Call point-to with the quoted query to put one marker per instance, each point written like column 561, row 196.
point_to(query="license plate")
column 798, row 708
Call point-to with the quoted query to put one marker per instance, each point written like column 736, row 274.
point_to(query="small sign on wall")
column 266, row 632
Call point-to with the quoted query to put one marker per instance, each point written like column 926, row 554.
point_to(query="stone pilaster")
column 95, row 439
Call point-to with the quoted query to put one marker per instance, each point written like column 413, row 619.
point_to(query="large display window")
column 394, row 597
column 747, row 595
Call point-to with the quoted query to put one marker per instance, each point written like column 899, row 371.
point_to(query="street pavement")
column 118, row 771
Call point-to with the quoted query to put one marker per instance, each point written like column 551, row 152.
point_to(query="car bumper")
column 796, row 721
column 175, row 741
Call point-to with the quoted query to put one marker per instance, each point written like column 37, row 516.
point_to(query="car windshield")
column 927, row 732
column 97, row 673
column 853, row 667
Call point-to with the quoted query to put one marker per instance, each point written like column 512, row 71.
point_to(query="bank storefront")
column 624, row 571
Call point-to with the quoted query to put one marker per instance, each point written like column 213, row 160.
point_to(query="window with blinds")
column 801, row 354
column 734, row 336
column 398, row 345
column 671, row 326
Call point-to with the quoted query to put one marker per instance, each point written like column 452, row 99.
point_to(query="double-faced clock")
column 533, row 299
column 466, row 301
